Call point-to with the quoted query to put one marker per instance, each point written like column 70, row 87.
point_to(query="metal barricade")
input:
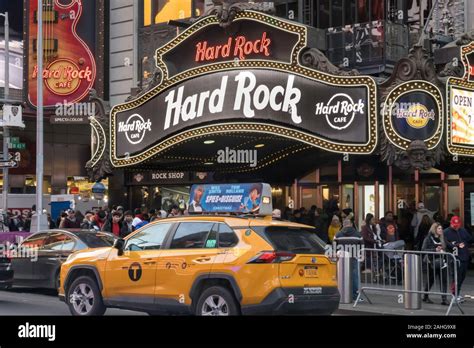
column 412, row 273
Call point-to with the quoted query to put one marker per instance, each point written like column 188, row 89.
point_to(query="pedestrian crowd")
column 420, row 229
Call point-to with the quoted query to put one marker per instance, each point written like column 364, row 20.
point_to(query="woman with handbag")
column 436, row 264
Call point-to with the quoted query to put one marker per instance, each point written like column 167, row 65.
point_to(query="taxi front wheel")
column 216, row 301
column 84, row 298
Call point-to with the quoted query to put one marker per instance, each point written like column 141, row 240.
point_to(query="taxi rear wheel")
column 84, row 298
column 216, row 301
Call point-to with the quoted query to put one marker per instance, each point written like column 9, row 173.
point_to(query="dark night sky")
column 15, row 14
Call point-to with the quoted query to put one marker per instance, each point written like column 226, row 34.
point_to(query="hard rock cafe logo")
column 416, row 115
column 134, row 128
column 63, row 76
column 138, row 177
column 340, row 110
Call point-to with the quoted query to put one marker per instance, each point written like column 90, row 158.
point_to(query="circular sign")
column 135, row 128
column 63, row 77
column 135, row 272
column 414, row 111
column 341, row 110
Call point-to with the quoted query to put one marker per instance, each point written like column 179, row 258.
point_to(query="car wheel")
column 84, row 298
column 216, row 301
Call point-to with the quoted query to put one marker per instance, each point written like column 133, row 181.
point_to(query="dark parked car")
column 40, row 256
column 6, row 273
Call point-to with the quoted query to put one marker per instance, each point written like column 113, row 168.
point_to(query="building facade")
column 393, row 42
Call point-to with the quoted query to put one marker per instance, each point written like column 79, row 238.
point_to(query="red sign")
column 19, row 211
column 235, row 47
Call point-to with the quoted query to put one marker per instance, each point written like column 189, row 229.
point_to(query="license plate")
column 310, row 271
column 313, row 291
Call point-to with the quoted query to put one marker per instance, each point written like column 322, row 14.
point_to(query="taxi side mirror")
column 119, row 244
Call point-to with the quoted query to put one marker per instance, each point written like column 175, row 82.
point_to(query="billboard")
column 69, row 66
column 460, row 99
column 231, row 198
column 462, row 117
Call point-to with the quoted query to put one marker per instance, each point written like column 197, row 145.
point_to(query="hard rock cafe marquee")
column 247, row 78
column 257, row 74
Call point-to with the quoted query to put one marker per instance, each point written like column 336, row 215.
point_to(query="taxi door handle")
column 201, row 259
column 149, row 262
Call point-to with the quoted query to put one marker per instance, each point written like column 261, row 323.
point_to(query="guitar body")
column 69, row 67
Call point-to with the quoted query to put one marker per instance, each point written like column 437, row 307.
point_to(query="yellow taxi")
column 205, row 265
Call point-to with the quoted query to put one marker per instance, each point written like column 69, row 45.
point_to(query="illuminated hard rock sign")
column 246, row 77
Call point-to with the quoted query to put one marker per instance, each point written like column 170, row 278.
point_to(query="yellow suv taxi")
column 205, row 265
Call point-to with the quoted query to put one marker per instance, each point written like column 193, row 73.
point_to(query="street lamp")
column 6, row 134
column 39, row 221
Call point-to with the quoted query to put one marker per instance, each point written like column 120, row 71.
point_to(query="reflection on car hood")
column 90, row 254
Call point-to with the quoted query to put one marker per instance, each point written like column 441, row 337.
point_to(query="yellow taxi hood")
column 90, row 254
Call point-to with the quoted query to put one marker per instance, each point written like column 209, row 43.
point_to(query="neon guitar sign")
column 69, row 66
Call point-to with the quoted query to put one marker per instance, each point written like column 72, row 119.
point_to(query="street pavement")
column 26, row 301
column 387, row 303
column 39, row 302
column 35, row 302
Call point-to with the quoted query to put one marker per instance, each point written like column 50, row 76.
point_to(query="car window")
column 54, row 241
column 293, row 239
column 68, row 243
column 191, row 235
column 88, row 239
column 227, row 237
column 211, row 241
column 38, row 240
column 150, row 238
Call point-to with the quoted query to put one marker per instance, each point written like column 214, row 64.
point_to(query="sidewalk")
column 386, row 303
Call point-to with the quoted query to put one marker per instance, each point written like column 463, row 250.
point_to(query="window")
column 94, row 240
column 211, row 241
column 161, row 11
column 227, row 237
column 191, row 235
column 150, row 238
column 362, row 11
column 296, row 240
column 349, row 11
column 324, row 14
column 68, row 243
column 55, row 241
column 37, row 240
column 336, row 13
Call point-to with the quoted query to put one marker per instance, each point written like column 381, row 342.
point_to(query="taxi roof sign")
column 248, row 198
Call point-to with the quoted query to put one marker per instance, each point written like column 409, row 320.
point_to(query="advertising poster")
column 462, row 117
column 229, row 198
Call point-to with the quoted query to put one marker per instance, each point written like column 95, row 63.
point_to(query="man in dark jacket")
column 352, row 241
column 457, row 242
column 127, row 226
column 115, row 225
